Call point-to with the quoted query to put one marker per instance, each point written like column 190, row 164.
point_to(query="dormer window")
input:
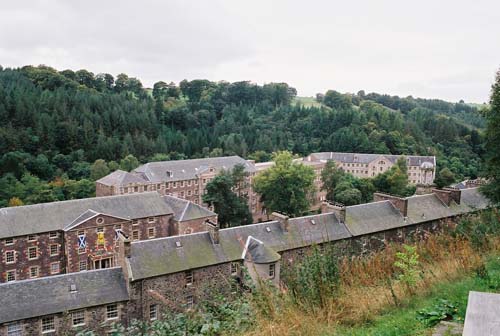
column 170, row 173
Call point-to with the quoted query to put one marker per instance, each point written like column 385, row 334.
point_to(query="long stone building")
column 421, row 169
column 187, row 179
column 149, row 276
column 79, row 235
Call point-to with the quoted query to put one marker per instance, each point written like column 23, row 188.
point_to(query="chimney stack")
column 443, row 195
column 399, row 203
column 456, row 194
column 213, row 230
column 337, row 208
column 282, row 219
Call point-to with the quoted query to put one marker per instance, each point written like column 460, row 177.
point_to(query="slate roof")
column 483, row 315
column 473, row 198
column 373, row 217
column 257, row 252
column 162, row 256
column 423, row 208
column 45, row 217
column 188, row 169
column 121, row 178
column 415, row 160
column 185, row 210
column 50, row 295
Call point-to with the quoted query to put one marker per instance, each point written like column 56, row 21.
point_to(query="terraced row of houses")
column 125, row 257
column 187, row 179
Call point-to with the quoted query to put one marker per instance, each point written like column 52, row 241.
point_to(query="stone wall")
column 173, row 292
column 23, row 264
column 194, row 225
column 161, row 225
column 95, row 320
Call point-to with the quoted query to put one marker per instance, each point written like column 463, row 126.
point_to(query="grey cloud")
column 442, row 49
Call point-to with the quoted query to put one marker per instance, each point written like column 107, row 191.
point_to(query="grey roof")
column 483, row 315
column 423, row 208
column 188, row 169
column 51, row 295
column 373, row 217
column 415, row 160
column 473, row 198
column 121, row 178
column 258, row 253
column 185, row 210
column 44, row 217
column 162, row 256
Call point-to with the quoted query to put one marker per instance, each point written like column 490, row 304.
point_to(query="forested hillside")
column 63, row 129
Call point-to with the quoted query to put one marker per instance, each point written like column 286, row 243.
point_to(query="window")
column 9, row 241
column 151, row 232
column 189, row 192
column 111, row 311
column 54, row 268
column 158, row 186
column 175, row 184
column 195, row 182
column 53, row 235
column 153, row 312
column 189, row 182
column 99, row 220
column 32, row 238
column 11, row 275
column 14, row 329
column 182, row 193
column 32, row 253
column 182, row 183
column 34, row 272
column 151, row 220
column 78, row 318
column 234, row 268
column 54, row 249
column 189, row 301
column 189, row 277
column 136, row 189
column 145, row 188
column 83, row 265
column 48, row 324
column 272, row 270
column 135, row 222
column 135, row 235
column 10, row 257
column 100, row 229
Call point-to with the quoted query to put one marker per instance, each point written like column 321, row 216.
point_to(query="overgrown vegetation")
column 383, row 293
column 58, row 124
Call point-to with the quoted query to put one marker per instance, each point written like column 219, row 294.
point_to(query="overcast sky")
column 447, row 49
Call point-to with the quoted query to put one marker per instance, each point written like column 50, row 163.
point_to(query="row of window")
column 34, row 271
column 31, row 238
column 48, row 324
column 10, row 257
column 159, row 186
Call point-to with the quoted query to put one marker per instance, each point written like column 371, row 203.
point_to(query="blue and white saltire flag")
column 116, row 233
column 82, row 242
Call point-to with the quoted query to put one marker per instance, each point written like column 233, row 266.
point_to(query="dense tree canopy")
column 58, row 123
column 227, row 194
column 286, row 187
column 493, row 143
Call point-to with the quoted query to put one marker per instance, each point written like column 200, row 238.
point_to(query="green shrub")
column 442, row 310
column 316, row 278
column 408, row 264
